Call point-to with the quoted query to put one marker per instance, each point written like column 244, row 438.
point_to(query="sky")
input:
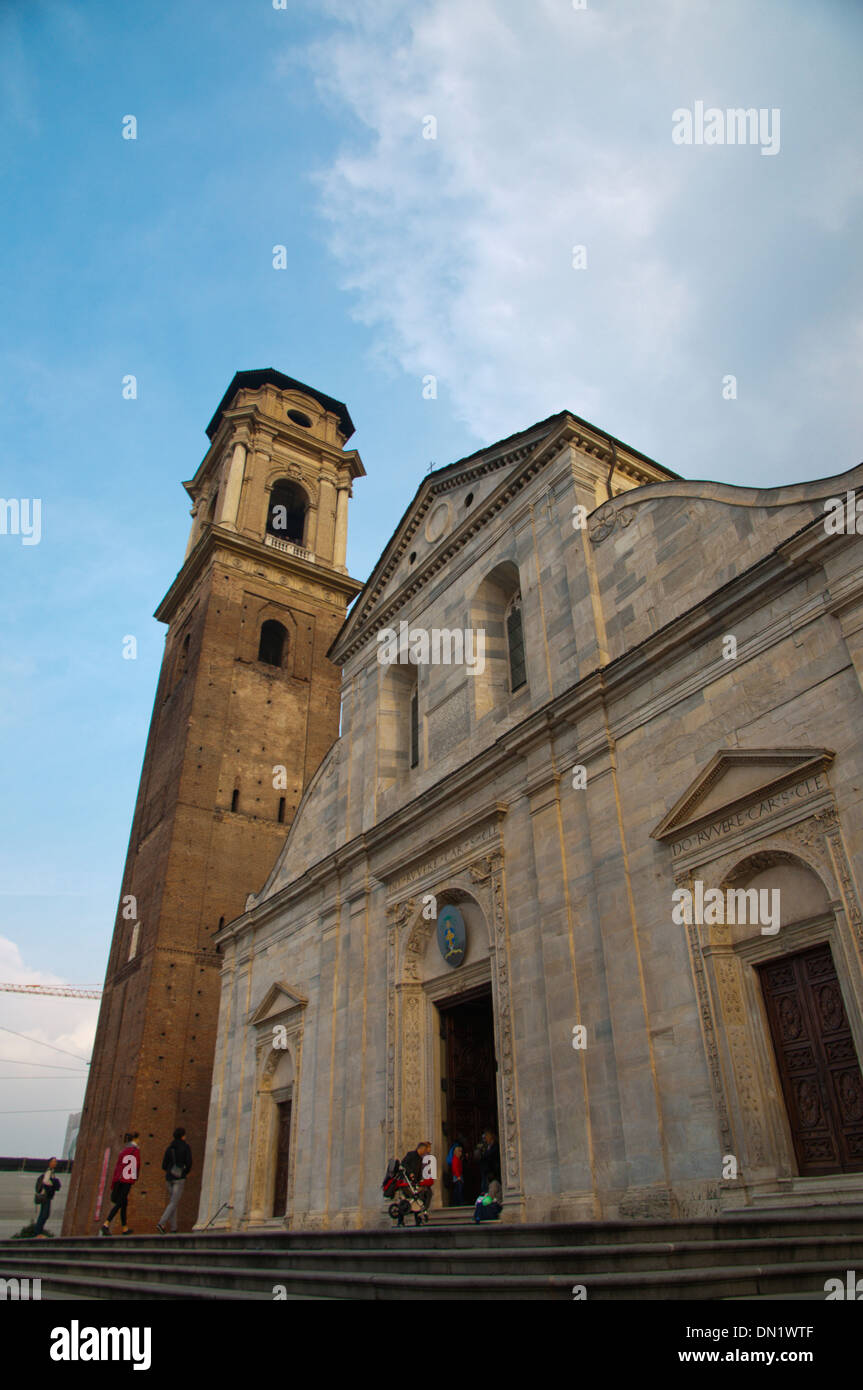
column 483, row 192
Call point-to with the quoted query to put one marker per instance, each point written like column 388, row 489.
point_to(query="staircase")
column 743, row 1255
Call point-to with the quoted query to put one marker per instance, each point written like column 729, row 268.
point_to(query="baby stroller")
column 403, row 1194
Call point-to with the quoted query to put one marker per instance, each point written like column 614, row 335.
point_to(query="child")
column 487, row 1208
column 457, row 1165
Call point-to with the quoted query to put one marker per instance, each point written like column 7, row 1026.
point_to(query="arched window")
column 286, row 513
column 399, row 724
column 515, row 643
column 496, row 613
column 271, row 648
column 415, row 727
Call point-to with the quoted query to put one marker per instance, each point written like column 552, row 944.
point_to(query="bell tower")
column 246, row 707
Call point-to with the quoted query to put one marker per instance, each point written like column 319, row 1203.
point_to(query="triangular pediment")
column 735, row 776
column 448, row 506
column 278, row 1000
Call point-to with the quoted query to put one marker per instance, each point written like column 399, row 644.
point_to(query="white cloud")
column 553, row 129
column 39, row 1086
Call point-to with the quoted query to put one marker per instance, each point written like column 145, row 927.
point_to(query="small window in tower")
column 235, row 799
column 271, row 648
column 299, row 418
column 415, row 728
column 515, row 644
column 286, row 512
column 281, row 810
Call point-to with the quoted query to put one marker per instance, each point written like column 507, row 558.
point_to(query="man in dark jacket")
column 489, row 1165
column 176, row 1164
column 415, row 1164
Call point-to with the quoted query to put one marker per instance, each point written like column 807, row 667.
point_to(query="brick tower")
column 246, row 707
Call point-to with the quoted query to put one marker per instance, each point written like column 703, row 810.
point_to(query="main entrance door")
column 818, row 1065
column 469, row 1081
column 283, row 1146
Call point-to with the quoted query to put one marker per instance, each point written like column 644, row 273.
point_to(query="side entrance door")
column 283, row 1145
column 818, row 1065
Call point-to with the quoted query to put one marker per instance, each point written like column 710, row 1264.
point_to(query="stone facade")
column 210, row 816
column 645, row 752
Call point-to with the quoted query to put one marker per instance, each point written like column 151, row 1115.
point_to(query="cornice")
column 216, row 539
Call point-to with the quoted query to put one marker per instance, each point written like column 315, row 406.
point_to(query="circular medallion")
column 451, row 935
column 438, row 523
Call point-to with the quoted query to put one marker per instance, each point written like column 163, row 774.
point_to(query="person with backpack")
column 126, row 1171
column 176, row 1165
column 47, row 1186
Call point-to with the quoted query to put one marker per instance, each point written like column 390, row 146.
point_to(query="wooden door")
column 283, row 1146
column 818, row 1065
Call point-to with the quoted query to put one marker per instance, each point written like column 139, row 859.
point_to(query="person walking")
column 126, row 1171
column 47, row 1185
column 176, row 1165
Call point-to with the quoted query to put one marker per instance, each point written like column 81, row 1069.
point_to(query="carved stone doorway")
column 817, row 1061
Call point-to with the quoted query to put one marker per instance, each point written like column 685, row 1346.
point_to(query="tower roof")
column 268, row 376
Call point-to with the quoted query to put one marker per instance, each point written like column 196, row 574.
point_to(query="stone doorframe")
column 280, row 1008
column 752, row 1118
column 411, row 1102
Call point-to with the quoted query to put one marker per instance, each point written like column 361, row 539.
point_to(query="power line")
column 58, row 1110
column 54, row 1066
column 39, row 1043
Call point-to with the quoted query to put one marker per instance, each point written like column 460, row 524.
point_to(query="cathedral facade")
column 582, row 866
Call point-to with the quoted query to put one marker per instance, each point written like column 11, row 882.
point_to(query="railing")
column 289, row 547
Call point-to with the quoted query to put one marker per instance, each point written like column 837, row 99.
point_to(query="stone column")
column 194, row 530
column 233, row 487
column 326, row 517
column 340, row 545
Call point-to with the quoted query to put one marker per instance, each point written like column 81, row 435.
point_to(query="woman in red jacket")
column 126, row 1171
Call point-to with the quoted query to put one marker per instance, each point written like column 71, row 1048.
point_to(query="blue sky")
column 406, row 256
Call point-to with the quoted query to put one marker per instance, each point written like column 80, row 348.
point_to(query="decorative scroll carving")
column 829, row 820
column 708, row 1029
column 734, row 1015
column 398, row 913
column 412, row 1120
column 487, row 875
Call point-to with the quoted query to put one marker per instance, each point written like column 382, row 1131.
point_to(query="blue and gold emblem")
column 451, row 935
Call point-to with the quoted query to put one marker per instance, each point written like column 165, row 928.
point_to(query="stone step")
column 134, row 1280
column 493, row 1233
column 573, row 1261
column 741, row 1256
